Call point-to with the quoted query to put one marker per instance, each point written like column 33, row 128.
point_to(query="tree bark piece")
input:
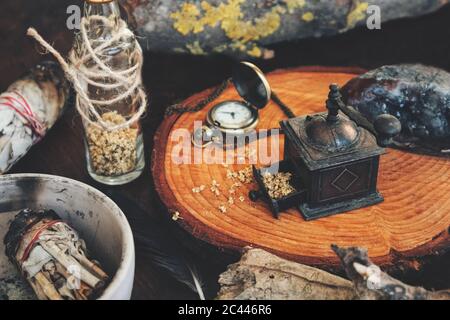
column 264, row 276
column 373, row 284
column 246, row 27
column 409, row 225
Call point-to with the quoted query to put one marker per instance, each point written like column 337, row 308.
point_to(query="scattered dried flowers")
column 199, row 189
column 176, row 216
column 223, row 208
column 278, row 185
column 245, row 175
column 239, row 178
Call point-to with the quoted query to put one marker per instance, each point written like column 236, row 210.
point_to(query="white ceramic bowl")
column 99, row 221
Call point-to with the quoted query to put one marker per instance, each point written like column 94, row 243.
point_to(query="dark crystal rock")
column 419, row 96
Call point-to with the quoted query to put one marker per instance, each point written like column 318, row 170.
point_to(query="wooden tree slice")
column 412, row 222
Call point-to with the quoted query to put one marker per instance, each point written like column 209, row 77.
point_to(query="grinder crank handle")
column 387, row 127
column 384, row 128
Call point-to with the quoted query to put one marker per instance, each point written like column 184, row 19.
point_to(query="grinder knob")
column 387, row 127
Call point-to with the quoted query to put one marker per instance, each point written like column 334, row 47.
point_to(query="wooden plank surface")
column 412, row 222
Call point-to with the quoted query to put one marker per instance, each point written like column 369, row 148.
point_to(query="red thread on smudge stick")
column 21, row 106
column 36, row 236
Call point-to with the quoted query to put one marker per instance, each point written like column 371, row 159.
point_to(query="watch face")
column 233, row 115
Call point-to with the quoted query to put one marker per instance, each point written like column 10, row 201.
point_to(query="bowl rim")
column 127, row 260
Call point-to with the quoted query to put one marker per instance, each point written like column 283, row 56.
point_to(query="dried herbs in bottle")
column 114, row 156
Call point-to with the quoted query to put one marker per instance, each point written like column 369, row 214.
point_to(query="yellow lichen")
column 192, row 18
column 195, row 48
column 255, row 52
column 357, row 14
column 237, row 45
column 221, row 48
column 293, row 5
column 308, row 16
column 224, row 12
column 186, row 19
column 246, row 31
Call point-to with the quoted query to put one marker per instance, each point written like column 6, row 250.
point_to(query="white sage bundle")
column 28, row 109
column 52, row 257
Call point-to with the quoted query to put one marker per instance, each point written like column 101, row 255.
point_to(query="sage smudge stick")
column 53, row 258
column 28, row 109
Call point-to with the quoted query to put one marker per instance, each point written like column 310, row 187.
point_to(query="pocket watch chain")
column 180, row 109
column 284, row 107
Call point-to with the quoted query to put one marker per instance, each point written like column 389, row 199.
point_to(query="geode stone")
column 419, row 96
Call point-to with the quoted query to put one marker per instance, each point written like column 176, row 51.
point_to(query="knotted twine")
column 79, row 72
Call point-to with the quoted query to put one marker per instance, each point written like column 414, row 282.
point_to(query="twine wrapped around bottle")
column 91, row 67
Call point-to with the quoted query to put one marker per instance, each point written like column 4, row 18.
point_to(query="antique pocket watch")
column 234, row 118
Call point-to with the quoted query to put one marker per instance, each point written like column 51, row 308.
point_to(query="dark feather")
column 153, row 239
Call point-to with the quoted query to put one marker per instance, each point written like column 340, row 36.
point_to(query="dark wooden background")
column 170, row 78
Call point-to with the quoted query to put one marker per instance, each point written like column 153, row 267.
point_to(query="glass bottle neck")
column 103, row 29
column 109, row 9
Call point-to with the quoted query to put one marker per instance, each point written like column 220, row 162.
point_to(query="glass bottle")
column 113, row 157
